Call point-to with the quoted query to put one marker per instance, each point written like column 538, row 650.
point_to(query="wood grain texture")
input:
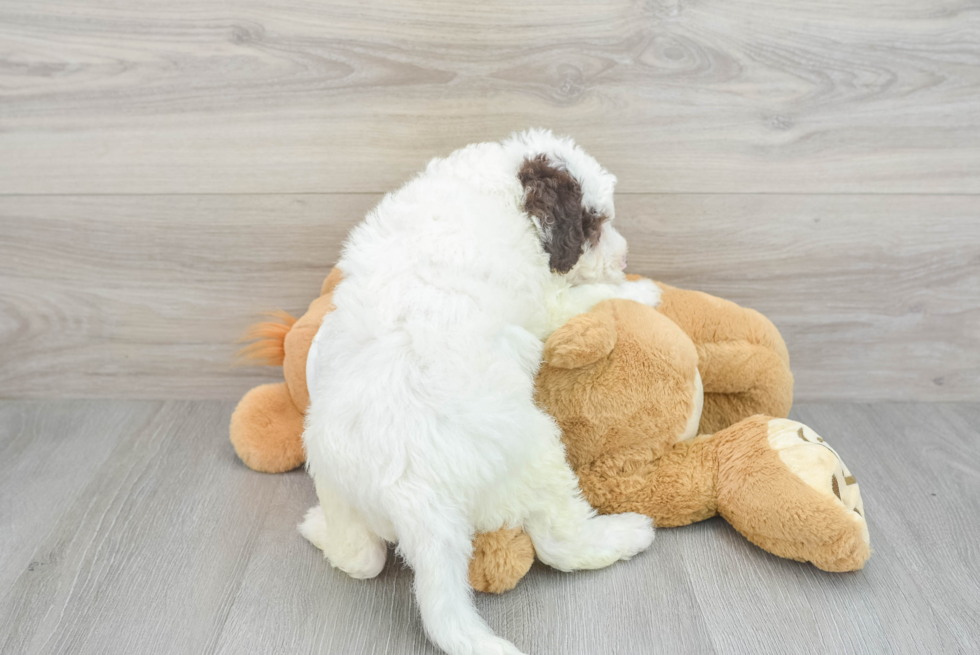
column 918, row 469
column 155, row 539
column 45, row 459
column 350, row 96
column 878, row 297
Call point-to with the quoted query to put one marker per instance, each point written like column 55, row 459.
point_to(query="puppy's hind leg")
column 437, row 543
column 565, row 530
column 337, row 528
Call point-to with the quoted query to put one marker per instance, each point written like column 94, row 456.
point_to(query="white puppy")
column 422, row 427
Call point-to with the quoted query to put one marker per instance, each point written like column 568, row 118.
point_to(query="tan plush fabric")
column 266, row 429
column 297, row 345
column 331, row 281
column 267, row 339
column 621, row 382
column 742, row 357
column 500, row 560
column 777, row 510
column 267, row 425
column 625, row 409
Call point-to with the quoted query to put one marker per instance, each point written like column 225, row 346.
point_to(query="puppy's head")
column 569, row 196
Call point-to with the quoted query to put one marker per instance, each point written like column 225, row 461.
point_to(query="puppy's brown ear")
column 583, row 340
column 554, row 197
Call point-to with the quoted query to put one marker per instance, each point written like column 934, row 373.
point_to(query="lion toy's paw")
column 795, row 497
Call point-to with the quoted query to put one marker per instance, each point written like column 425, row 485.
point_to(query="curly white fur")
column 422, row 427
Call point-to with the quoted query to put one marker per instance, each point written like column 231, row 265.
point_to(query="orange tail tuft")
column 267, row 347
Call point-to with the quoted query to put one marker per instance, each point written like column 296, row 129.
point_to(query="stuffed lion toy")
column 677, row 412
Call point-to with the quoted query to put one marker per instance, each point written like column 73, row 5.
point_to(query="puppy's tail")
column 268, row 339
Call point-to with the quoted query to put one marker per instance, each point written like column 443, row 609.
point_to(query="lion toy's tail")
column 267, row 340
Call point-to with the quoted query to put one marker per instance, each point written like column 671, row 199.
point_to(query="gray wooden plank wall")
column 169, row 170
column 349, row 96
column 143, row 296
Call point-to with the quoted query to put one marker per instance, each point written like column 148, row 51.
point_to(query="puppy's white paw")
column 367, row 564
column 642, row 291
column 358, row 554
column 627, row 534
column 601, row 541
column 314, row 527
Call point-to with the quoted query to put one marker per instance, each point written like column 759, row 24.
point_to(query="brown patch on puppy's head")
column 554, row 197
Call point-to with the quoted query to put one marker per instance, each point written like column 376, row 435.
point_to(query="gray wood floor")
column 130, row 527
